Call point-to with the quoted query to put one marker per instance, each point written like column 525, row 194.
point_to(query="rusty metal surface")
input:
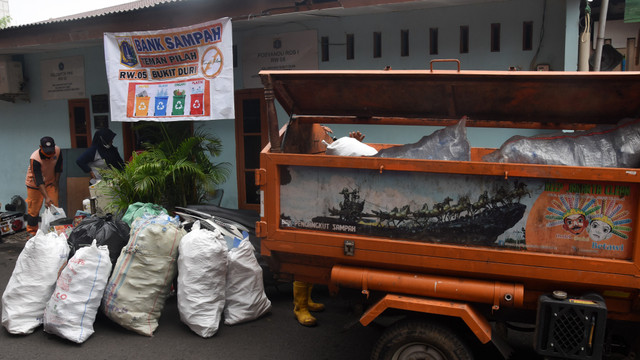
column 544, row 98
column 491, row 99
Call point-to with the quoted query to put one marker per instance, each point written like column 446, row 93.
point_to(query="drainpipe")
column 604, row 6
column 584, row 47
column 470, row 290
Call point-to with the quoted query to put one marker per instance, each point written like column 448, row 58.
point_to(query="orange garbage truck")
column 539, row 233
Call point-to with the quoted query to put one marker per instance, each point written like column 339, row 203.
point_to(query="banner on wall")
column 288, row 51
column 171, row 75
column 62, row 78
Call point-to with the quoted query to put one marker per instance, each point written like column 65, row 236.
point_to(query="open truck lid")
column 528, row 99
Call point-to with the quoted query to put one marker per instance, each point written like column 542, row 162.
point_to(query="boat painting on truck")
column 583, row 218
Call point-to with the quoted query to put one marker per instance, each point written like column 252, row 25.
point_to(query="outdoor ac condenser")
column 11, row 80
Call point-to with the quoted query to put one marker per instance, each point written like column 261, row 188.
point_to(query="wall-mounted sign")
column 288, row 51
column 62, row 78
column 171, row 75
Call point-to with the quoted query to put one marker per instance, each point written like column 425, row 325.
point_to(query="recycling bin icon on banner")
column 161, row 105
column 196, row 104
column 142, row 105
column 197, row 98
column 178, row 102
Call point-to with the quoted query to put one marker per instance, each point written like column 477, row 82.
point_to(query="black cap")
column 48, row 145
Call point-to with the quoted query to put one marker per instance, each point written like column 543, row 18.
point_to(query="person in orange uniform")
column 43, row 179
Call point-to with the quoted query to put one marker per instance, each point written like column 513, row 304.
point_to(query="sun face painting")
column 587, row 222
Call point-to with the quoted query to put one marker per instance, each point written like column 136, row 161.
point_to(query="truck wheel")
column 415, row 339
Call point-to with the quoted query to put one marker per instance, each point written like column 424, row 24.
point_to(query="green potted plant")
column 176, row 169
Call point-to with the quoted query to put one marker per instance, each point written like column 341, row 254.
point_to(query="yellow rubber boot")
column 313, row 306
column 300, row 305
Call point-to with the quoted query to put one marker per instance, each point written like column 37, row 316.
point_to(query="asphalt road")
column 274, row 336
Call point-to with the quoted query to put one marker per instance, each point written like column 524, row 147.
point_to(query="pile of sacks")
column 126, row 269
column 604, row 146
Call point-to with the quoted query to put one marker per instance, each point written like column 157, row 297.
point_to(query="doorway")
column 251, row 137
column 74, row 183
column 80, row 123
column 136, row 135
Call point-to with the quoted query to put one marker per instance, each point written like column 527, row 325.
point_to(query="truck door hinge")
column 261, row 228
column 261, row 176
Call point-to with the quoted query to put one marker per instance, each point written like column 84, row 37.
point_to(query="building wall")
column 558, row 49
column 4, row 8
column 510, row 14
column 23, row 123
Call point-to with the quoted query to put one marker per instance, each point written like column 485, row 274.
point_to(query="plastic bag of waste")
column 104, row 230
column 450, row 143
column 72, row 308
column 139, row 209
column 348, row 146
column 51, row 214
column 603, row 146
column 202, row 278
column 33, row 281
column 143, row 274
column 246, row 299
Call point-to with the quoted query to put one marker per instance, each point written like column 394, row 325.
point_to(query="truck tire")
column 419, row 339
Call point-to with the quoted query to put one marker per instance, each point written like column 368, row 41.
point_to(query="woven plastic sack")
column 141, row 279
column 202, row 278
column 73, row 306
column 33, row 281
column 138, row 209
column 246, row 299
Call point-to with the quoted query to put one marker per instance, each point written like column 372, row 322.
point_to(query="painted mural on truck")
column 551, row 216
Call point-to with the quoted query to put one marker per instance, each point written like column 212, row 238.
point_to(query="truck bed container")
column 498, row 237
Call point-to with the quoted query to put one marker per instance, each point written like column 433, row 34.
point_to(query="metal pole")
column 604, row 6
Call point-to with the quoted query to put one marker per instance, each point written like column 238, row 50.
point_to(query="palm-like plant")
column 5, row 21
column 175, row 171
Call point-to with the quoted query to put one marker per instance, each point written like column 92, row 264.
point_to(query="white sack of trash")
column 33, row 281
column 73, row 306
column 219, row 277
column 245, row 296
column 202, row 278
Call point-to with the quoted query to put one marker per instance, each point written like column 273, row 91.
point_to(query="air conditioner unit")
column 11, row 80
